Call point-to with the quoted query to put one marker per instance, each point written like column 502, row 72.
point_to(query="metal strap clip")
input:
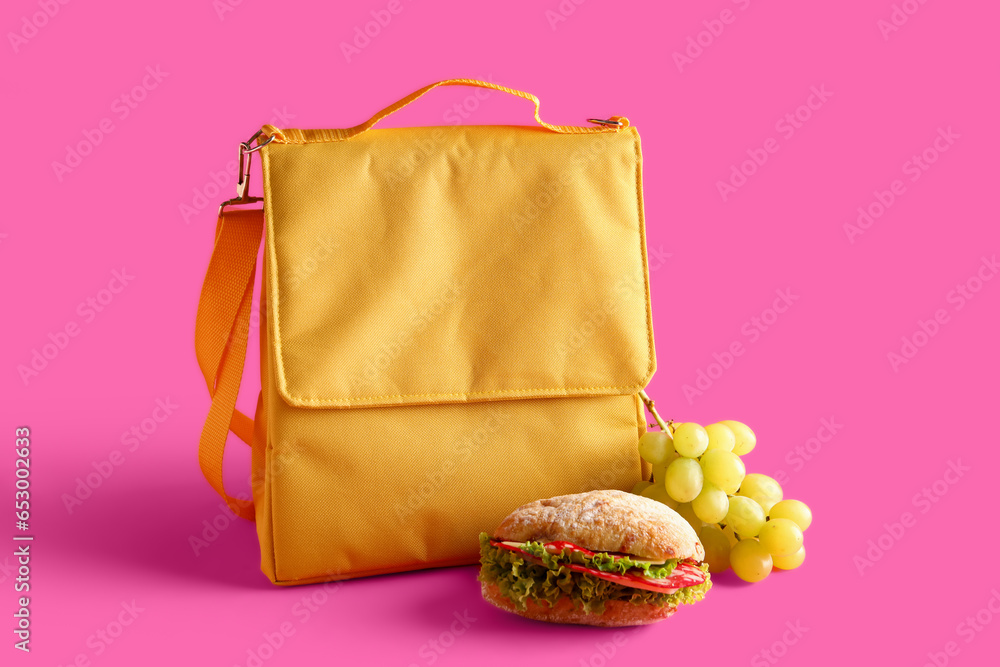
column 243, row 179
column 606, row 121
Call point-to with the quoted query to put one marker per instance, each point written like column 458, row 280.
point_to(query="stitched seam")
column 642, row 253
column 272, row 260
column 362, row 399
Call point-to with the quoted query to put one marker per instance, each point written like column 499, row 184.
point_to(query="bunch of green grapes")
column 742, row 519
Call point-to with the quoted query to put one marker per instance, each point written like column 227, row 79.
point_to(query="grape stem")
column 666, row 427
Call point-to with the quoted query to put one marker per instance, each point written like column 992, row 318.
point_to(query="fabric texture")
column 455, row 321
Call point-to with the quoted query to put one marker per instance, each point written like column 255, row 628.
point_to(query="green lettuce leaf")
column 603, row 562
column 519, row 580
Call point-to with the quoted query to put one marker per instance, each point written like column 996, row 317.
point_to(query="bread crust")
column 605, row 520
column 617, row 613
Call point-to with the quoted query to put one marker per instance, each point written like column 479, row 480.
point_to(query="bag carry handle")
column 288, row 136
column 221, row 333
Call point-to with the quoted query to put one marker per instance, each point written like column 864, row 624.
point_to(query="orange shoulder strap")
column 221, row 334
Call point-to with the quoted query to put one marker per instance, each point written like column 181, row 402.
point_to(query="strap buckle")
column 243, row 179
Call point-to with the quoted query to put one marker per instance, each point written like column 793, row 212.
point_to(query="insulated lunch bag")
column 454, row 321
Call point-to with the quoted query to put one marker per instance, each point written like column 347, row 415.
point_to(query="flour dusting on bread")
column 608, row 520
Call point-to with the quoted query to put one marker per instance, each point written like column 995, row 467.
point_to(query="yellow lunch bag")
column 454, row 321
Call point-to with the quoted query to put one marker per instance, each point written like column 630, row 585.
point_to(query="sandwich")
column 607, row 558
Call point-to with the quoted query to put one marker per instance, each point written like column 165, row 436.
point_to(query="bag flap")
column 451, row 264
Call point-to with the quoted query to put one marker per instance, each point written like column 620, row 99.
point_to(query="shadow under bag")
column 454, row 321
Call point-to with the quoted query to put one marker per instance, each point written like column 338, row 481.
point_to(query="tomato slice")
column 685, row 574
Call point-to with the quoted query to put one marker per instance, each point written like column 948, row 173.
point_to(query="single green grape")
column 720, row 436
column 730, row 535
column 712, row 504
column 781, row 537
column 690, row 440
column 723, row 469
column 790, row 562
column 683, row 479
column 716, row 546
column 750, row 560
column 765, row 490
column 745, row 438
column 655, row 446
column 745, row 516
column 796, row 510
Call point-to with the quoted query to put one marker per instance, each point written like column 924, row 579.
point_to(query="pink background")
column 721, row 263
